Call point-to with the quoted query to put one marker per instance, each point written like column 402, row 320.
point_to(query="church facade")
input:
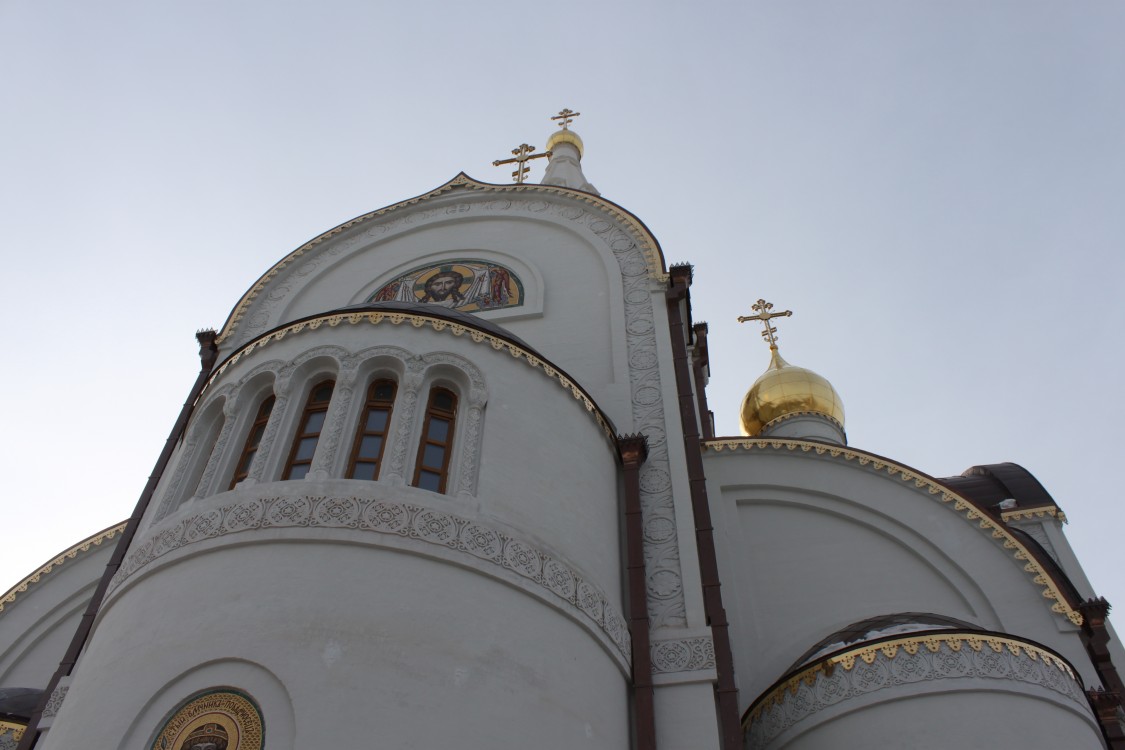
column 448, row 477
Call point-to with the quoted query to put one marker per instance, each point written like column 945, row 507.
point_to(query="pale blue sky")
column 935, row 188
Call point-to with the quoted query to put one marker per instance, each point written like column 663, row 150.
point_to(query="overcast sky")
column 936, row 189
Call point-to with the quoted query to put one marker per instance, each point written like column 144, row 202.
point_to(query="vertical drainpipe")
column 633, row 450
column 208, row 354
column 1107, row 702
column 726, row 694
column 700, row 362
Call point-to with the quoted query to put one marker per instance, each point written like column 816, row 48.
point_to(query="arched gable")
column 461, row 200
column 34, row 638
column 871, row 537
column 1018, row 551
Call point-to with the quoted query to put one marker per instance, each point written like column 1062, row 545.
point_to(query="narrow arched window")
column 371, row 438
column 308, row 432
column 431, row 469
column 253, row 440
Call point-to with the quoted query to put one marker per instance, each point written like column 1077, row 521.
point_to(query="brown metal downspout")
column 633, row 450
column 208, row 354
column 726, row 694
column 1108, row 701
column 700, row 361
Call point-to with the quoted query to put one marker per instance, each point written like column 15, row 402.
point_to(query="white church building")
column 448, row 478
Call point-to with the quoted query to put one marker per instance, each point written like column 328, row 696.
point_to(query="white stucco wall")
column 366, row 642
column 36, row 627
column 810, row 544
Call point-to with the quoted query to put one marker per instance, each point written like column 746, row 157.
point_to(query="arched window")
column 242, row 470
column 371, row 438
column 431, row 469
column 308, row 433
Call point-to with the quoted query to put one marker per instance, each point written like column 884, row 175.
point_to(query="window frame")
column 311, row 407
column 432, row 410
column 371, row 404
column 260, row 420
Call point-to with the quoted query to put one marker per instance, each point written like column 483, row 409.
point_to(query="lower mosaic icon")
column 215, row 720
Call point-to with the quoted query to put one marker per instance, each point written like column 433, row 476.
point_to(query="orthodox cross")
column 762, row 308
column 567, row 116
column 523, row 154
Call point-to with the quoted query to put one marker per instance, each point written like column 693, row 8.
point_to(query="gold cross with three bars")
column 523, row 155
column 762, row 308
column 567, row 116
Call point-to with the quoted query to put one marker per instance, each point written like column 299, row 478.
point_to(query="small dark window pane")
column 305, row 449
column 431, row 470
column 428, row 480
column 252, row 442
column 434, row 456
column 377, row 420
column 364, row 471
column 384, row 391
column 370, row 446
column 314, row 422
column 322, row 393
column 299, row 471
column 439, row 429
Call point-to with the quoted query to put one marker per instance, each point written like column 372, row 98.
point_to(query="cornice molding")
column 471, row 543
column 73, row 552
column 793, row 415
column 645, row 240
column 1022, row 514
column 930, row 656
column 440, row 325
column 963, row 507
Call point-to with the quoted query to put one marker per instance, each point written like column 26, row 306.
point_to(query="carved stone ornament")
column 216, row 720
column 55, row 701
column 683, row 655
column 483, row 548
column 937, row 661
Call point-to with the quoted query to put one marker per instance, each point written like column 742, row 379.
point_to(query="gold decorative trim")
column 230, row 714
column 647, row 243
column 962, row 506
column 778, row 420
column 1042, row 512
column 84, row 546
column 890, row 649
column 14, row 728
column 438, row 324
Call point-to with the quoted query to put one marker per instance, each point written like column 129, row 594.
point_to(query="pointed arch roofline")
column 70, row 553
column 648, row 244
column 1056, row 587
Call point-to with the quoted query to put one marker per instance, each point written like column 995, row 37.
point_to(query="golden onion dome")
column 785, row 391
column 565, row 136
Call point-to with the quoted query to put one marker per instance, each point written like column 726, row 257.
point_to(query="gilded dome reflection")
column 784, row 390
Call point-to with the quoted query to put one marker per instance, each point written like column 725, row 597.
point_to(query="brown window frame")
column 251, row 445
column 373, row 403
column 432, row 410
column 311, row 407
